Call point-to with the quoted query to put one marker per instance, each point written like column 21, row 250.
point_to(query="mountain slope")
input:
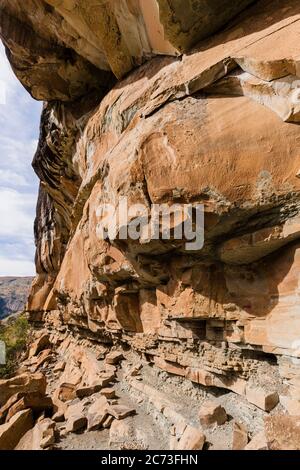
column 13, row 294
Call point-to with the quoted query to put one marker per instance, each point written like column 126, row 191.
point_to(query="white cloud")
column 2, row 92
column 19, row 128
column 9, row 175
column 16, row 214
column 15, row 267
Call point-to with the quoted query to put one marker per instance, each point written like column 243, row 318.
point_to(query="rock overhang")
column 216, row 124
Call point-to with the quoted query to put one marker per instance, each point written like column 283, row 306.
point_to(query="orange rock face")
column 217, row 126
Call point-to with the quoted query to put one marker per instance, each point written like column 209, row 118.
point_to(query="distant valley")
column 13, row 294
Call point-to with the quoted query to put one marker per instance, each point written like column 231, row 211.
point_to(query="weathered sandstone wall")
column 136, row 106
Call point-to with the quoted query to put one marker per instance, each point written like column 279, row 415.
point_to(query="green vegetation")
column 14, row 332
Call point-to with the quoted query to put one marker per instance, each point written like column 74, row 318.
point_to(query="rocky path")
column 73, row 395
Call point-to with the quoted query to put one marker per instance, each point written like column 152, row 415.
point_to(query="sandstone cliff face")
column 215, row 124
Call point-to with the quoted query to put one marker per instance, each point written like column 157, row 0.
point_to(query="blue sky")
column 19, row 128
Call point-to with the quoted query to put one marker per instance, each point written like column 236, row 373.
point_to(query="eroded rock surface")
column 214, row 122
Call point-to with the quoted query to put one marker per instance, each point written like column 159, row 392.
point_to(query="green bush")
column 15, row 333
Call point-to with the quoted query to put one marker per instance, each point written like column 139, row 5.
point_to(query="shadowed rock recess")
column 169, row 101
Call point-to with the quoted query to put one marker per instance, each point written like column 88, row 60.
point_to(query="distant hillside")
column 13, row 294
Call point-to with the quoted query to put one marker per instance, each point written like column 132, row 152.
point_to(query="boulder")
column 14, row 430
column 212, row 413
column 87, row 391
column 41, row 437
column 43, row 357
column 135, row 371
column 59, row 406
column 28, row 442
column 107, row 377
column 239, row 436
column 97, row 413
column 43, row 342
column 261, row 398
column 258, row 442
column 6, row 407
column 191, row 439
column 34, row 401
column 120, row 411
column 46, row 430
column 114, row 357
column 74, row 408
column 110, row 368
column 76, row 423
column 75, row 416
column 108, row 392
column 108, row 422
column 66, row 392
column 73, row 371
column 24, row 383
